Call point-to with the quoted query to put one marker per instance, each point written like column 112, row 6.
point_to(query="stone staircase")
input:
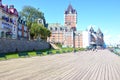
column 54, row 46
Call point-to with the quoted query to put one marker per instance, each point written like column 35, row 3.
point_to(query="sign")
column 6, row 26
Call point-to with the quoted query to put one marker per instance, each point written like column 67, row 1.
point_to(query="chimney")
column 6, row 6
column 11, row 6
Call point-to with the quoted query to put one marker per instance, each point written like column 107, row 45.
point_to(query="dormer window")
column 55, row 29
column 51, row 29
column 60, row 29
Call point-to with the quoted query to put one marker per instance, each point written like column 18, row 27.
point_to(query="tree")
column 45, row 33
column 39, row 31
column 31, row 14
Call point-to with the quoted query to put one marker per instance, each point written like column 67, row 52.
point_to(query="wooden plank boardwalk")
column 89, row 65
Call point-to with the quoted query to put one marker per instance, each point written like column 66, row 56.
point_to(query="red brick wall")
column 70, row 18
column 66, row 40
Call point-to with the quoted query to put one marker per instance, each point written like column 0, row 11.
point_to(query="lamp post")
column 58, row 36
column 73, row 40
column 79, row 40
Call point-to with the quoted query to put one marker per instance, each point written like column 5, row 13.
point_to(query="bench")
column 2, row 55
column 39, row 53
column 23, row 54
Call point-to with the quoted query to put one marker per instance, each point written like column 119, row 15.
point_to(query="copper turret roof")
column 70, row 10
column 99, row 31
column 91, row 29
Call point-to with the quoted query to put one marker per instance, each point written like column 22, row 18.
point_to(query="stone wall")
column 7, row 45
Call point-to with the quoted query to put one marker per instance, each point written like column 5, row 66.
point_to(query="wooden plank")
column 86, row 65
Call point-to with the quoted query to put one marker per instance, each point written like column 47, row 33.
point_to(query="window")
column 55, row 29
column 60, row 29
column 51, row 29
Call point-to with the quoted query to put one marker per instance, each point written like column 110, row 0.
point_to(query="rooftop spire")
column 91, row 29
column 70, row 7
column 99, row 30
column 70, row 10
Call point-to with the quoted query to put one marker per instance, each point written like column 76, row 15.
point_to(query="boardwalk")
column 100, row 65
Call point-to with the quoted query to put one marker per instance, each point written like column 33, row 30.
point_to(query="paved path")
column 100, row 65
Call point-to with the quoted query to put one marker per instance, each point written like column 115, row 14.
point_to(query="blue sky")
column 104, row 14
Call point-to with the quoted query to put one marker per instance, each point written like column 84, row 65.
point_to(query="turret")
column 70, row 16
column 91, row 30
column 99, row 33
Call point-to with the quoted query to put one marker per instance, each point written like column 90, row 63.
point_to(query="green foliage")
column 44, row 33
column 82, row 49
column 2, row 59
column 59, row 45
column 31, row 14
column 11, row 56
column 32, row 53
column 58, row 52
column 35, row 30
column 39, row 31
column 44, row 52
column 54, row 52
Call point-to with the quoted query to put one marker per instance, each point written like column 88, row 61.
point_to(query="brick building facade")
column 68, row 36
column 64, row 34
column 70, row 17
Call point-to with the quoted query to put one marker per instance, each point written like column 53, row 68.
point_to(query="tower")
column 70, row 17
